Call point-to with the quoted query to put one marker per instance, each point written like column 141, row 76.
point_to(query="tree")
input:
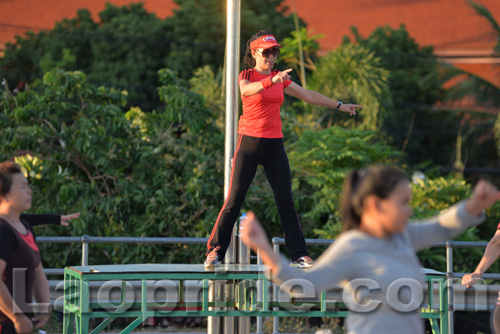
column 320, row 161
column 128, row 52
column 124, row 50
column 129, row 175
column 480, row 121
column 198, row 30
column 415, row 87
column 128, row 45
column 26, row 60
column 290, row 51
column 432, row 195
column 208, row 84
column 352, row 73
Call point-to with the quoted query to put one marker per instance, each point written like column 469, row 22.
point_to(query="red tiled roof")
column 443, row 23
column 450, row 25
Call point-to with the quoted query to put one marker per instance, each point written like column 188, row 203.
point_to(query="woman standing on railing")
column 491, row 254
column 20, row 263
column 374, row 258
column 260, row 142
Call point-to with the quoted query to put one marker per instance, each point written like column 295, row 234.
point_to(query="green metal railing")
column 79, row 308
column 87, row 240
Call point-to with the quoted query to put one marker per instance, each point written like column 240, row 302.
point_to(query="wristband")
column 338, row 106
column 267, row 82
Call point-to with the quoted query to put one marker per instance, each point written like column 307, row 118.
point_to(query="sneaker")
column 212, row 258
column 302, row 262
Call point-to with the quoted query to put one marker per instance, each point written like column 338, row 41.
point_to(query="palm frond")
column 484, row 12
column 484, row 92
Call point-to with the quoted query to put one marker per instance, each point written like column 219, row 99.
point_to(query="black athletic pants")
column 251, row 152
column 7, row 329
column 7, row 326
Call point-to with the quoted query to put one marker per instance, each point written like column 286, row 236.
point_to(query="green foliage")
column 197, row 31
column 486, row 13
column 124, row 50
column 496, row 129
column 128, row 175
column 290, row 50
column 128, row 51
column 67, row 45
column 414, row 84
column 320, row 161
column 67, row 61
column 353, row 74
column 209, row 85
column 197, row 35
column 431, row 196
column 483, row 92
column 128, row 45
column 413, row 69
column 182, row 105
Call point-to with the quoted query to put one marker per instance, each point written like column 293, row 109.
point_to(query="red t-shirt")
column 261, row 112
column 498, row 227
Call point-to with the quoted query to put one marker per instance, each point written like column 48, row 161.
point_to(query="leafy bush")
column 431, row 196
column 320, row 161
column 127, row 176
column 353, row 74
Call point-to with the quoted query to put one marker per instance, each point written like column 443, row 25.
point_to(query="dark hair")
column 7, row 170
column 248, row 60
column 373, row 180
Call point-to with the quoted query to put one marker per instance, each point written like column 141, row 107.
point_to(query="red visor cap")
column 264, row 42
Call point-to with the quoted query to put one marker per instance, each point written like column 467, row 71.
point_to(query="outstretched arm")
column 491, row 253
column 41, row 219
column 313, row 97
column 45, row 219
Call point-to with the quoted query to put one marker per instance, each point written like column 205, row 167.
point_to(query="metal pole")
column 449, row 282
column 214, row 323
column 232, row 61
column 228, row 323
column 232, row 56
column 85, row 250
column 276, row 320
column 260, row 287
column 243, row 258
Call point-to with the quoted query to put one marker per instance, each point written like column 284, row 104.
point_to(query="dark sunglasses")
column 268, row 52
